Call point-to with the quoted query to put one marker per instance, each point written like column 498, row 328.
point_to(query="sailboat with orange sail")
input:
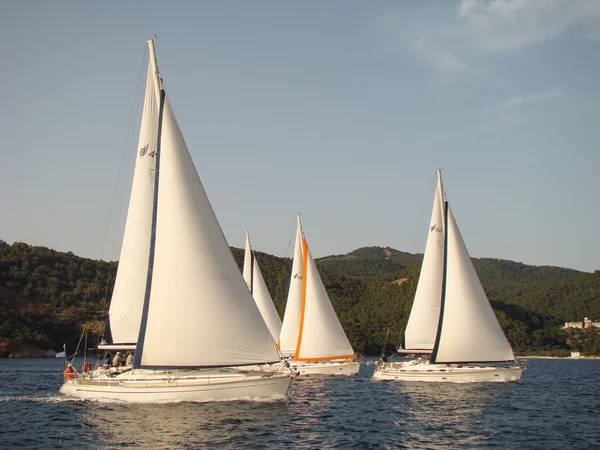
column 312, row 338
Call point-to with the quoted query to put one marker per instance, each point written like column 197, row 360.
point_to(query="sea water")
column 555, row 406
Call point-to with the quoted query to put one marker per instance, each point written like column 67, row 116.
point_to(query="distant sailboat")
column 311, row 334
column 259, row 291
column 179, row 300
column 451, row 319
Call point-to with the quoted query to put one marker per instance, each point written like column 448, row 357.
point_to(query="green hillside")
column 48, row 297
column 370, row 262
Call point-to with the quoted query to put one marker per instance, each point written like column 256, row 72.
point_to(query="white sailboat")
column 451, row 324
column 179, row 299
column 260, row 293
column 312, row 337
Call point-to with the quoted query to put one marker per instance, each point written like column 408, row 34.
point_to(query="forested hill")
column 48, row 297
column 370, row 261
column 362, row 262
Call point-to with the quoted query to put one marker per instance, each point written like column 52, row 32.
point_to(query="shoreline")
column 558, row 357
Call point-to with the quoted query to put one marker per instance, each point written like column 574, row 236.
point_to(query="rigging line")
column 418, row 227
column 131, row 116
column 407, row 310
column 432, row 187
column 138, row 104
column 79, row 343
column 135, row 108
column 290, row 237
column 387, row 335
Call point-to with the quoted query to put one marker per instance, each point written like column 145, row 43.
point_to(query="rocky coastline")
column 13, row 349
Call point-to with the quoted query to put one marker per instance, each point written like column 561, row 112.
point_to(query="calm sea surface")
column 557, row 405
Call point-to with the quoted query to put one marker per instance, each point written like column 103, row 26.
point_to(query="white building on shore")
column 585, row 324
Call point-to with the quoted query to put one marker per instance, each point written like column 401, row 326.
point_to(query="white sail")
column 470, row 345
column 200, row 312
column 259, row 291
column 248, row 267
column 422, row 324
column 199, row 322
column 321, row 334
column 470, row 331
column 130, row 285
column 288, row 339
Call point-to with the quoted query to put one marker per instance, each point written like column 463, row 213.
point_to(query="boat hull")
column 347, row 368
column 447, row 373
column 145, row 386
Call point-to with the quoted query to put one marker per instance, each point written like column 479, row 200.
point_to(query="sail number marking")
column 144, row 151
column 435, row 228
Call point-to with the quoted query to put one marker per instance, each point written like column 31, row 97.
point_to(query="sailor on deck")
column 117, row 360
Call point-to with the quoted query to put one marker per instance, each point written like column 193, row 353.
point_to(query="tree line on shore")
column 47, row 298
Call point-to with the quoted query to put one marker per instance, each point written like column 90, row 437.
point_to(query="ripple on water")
column 555, row 406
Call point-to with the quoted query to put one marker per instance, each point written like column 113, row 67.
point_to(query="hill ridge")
column 48, row 296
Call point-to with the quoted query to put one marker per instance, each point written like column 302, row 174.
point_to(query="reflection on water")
column 450, row 413
column 554, row 406
column 180, row 424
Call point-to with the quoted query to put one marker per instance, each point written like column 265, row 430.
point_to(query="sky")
column 340, row 110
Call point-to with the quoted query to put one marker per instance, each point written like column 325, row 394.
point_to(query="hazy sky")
column 341, row 110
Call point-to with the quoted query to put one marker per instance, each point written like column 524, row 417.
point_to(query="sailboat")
column 452, row 326
column 312, row 338
column 260, row 293
column 179, row 302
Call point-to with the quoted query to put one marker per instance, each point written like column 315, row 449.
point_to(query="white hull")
column 347, row 368
column 446, row 373
column 179, row 385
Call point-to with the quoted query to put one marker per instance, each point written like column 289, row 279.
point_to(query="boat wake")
column 39, row 399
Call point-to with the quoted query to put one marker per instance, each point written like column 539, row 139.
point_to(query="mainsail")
column 260, row 293
column 198, row 311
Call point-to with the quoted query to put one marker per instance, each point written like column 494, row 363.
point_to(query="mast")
column 440, row 184
column 444, row 274
column 159, row 84
column 300, row 231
